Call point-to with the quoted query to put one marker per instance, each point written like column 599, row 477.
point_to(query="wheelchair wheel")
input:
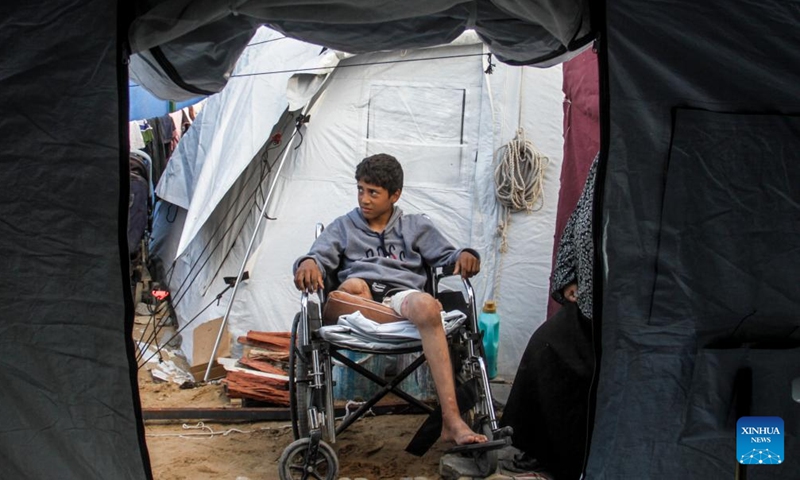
column 295, row 464
column 298, row 390
column 485, row 460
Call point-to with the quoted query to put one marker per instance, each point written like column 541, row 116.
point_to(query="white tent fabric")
column 443, row 119
column 231, row 129
column 304, row 85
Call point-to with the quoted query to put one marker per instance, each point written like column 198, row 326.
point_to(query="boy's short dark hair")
column 383, row 170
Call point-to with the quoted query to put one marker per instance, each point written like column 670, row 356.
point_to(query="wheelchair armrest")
column 304, row 334
column 304, row 295
column 448, row 271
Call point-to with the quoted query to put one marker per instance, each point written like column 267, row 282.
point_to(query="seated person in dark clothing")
column 380, row 251
column 549, row 400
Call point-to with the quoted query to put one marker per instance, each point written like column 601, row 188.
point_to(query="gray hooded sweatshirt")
column 397, row 255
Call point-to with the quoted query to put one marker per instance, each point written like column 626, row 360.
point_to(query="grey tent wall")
column 69, row 400
column 700, row 223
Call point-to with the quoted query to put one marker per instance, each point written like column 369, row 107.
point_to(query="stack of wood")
column 261, row 373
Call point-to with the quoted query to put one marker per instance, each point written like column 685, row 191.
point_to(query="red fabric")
column 581, row 137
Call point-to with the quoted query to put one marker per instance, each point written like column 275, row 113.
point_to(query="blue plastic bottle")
column 489, row 324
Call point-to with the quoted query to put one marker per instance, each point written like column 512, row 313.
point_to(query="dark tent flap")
column 698, row 236
column 731, row 224
column 172, row 40
column 69, row 391
column 186, row 67
column 728, row 383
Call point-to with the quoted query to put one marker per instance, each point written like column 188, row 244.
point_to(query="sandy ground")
column 372, row 448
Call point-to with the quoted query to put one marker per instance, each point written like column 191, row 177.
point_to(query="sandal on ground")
column 471, row 447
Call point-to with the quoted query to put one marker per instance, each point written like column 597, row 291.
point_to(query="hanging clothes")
column 186, row 120
column 138, row 205
column 147, row 132
column 135, row 135
column 160, row 148
column 177, row 119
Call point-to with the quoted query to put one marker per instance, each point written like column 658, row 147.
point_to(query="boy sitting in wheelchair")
column 380, row 254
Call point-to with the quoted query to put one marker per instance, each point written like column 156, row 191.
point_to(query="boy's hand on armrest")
column 308, row 277
column 467, row 265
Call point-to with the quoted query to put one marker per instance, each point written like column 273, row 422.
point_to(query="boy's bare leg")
column 424, row 312
column 356, row 286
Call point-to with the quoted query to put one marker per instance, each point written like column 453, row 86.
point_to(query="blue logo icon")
column 759, row 440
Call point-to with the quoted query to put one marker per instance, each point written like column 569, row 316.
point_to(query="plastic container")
column 419, row 383
column 351, row 385
column 489, row 325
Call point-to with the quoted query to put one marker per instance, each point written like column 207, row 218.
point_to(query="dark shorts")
column 381, row 290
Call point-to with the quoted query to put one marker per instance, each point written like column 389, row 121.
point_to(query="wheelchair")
column 312, row 353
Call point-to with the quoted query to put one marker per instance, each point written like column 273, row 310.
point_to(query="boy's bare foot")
column 461, row 434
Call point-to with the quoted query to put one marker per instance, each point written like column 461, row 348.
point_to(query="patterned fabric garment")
column 575, row 257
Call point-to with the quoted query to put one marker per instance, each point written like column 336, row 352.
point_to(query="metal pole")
column 249, row 249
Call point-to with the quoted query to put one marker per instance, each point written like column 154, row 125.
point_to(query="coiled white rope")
column 519, row 180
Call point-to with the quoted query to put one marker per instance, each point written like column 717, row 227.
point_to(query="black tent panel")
column 699, row 236
column 730, row 226
column 68, row 402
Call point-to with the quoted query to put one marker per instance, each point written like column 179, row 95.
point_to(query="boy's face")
column 375, row 201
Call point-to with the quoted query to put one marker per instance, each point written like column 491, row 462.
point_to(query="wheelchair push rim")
column 310, row 388
column 298, row 391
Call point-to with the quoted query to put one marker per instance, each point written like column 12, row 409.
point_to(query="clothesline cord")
column 365, row 64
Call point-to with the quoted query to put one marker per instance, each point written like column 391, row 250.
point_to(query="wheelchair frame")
column 311, row 389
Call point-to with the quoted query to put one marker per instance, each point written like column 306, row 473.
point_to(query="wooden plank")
column 268, row 340
column 262, row 366
column 257, row 414
column 219, row 414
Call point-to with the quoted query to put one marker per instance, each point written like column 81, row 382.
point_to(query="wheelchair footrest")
column 480, row 447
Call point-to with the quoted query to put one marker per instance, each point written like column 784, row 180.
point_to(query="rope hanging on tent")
column 519, row 180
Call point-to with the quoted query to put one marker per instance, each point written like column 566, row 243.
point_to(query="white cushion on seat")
column 354, row 330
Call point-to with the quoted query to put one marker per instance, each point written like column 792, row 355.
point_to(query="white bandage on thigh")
column 396, row 300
